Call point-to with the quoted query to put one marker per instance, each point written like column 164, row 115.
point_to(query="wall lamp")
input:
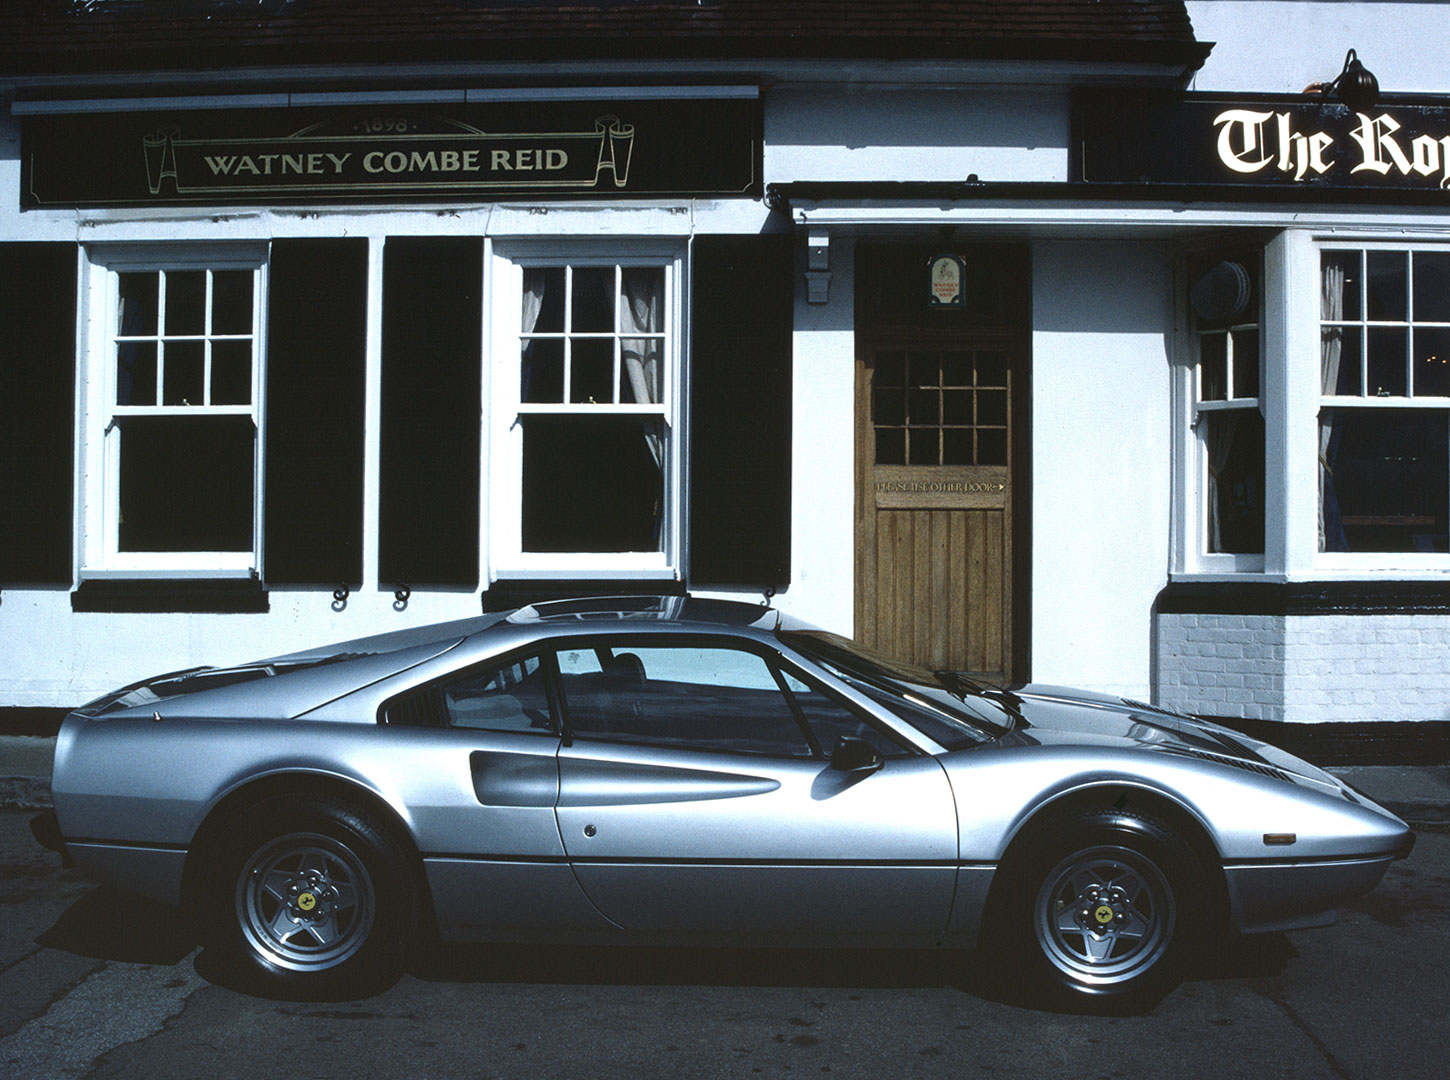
column 1356, row 85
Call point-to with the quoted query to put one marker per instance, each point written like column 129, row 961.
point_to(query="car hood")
column 1061, row 715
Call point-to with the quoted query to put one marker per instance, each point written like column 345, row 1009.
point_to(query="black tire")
column 312, row 898
column 1100, row 909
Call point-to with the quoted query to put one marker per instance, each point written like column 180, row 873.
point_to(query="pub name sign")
column 1397, row 146
column 617, row 149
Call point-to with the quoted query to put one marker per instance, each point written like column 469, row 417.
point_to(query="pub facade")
column 1100, row 344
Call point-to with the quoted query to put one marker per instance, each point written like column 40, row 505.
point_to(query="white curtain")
column 641, row 312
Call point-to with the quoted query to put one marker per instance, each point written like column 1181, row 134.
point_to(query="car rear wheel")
column 314, row 897
column 1103, row 908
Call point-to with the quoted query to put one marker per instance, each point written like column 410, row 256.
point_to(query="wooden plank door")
column 934, row 501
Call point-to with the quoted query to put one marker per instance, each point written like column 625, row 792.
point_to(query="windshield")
column 941, row 706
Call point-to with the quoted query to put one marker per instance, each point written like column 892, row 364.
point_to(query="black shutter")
column 316, row 364
column 432, row 357
column 37, row 412
column 740, row 410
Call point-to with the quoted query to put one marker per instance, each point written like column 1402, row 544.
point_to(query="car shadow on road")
column 106, row 924
column 109, row 925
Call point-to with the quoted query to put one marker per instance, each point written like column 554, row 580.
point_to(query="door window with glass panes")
column 173, row 441
column 1384, row 417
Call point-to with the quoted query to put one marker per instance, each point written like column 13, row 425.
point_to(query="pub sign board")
column 1400, row 145
column 610, row 150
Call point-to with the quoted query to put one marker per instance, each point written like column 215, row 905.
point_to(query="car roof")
column 667, row 609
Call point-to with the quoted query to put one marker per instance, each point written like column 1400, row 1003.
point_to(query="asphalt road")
column 93, row 984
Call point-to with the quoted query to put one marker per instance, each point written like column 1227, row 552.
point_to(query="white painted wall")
column 1102, row 319
column 880, row 133
column 1281, row 46
column 823, row 483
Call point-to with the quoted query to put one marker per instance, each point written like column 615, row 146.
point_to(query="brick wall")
column 1305, row 669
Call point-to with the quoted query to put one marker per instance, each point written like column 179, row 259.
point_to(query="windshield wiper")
column 961, row 685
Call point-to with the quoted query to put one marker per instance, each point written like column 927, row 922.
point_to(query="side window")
column 829, row 720
column 508, row 698
column 687, row 697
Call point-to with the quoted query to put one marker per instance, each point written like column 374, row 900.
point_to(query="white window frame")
column 1368, row 562
column 503, row 466
column 1290, row 382
column 99, row 445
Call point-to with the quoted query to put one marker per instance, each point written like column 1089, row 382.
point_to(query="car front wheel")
column 314, row 898
column 1105, row 908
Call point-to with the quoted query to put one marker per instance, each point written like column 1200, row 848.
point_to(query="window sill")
column 219, row 596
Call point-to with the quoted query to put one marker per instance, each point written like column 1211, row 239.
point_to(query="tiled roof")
column 61, row 36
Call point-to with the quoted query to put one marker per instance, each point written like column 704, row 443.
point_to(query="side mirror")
column 853, row 755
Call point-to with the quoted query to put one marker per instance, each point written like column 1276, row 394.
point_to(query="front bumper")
column 1292, row 895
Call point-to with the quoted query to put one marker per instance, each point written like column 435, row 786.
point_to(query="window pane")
column 1341, row 286
column 592, row 483
column 1246, row 363
column 922, row 370
column 890, row 446
column 543, row 301
column 231, row 302
column 991, row 447
column 957, row 407
column 721, row 700
column 889, row 407
column 186, row 483
column 1386, row 361
column 136, row 373
column 542, row 372
column 957, row 369
column 1234, row 443
column 829, row 720
column 639, row 371
column 231, row 372
column 186, row 302
column 1384, row 484
column 1387, row 285
column 957, row 447
column 1432, row 361
column 1339, row 356
column 182, row 383
column 510, row 698
column 991, row 369
column 1213, row 367
column 1432, row 286
column 643, row 310
column 890, row 370
column 593, row 300
column 137, row 314
column 992, row 407
column 923, row 406
column 592, row 377
column 923, row 446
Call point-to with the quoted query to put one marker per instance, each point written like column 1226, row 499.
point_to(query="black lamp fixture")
column 1356, row 85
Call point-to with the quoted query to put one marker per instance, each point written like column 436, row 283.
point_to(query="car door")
column 696, row 797
column 475, row 760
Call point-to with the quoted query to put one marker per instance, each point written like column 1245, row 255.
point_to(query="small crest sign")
column 945, row 274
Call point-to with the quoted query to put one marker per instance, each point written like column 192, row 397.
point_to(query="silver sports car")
column 680, row 770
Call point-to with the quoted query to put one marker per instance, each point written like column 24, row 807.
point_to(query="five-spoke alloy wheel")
column 1101, row 907
column 312, row 895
